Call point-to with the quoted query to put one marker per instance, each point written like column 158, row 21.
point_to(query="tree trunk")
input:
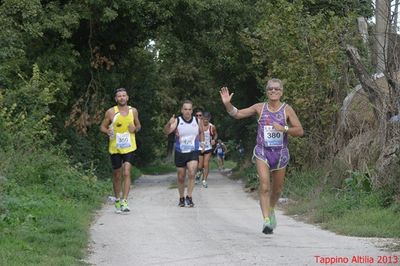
column 382, row 12
column 395, row 16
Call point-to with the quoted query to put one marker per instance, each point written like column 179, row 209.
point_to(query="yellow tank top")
column 122, row 141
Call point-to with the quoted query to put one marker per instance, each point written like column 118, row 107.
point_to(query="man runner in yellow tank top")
column 121, row 123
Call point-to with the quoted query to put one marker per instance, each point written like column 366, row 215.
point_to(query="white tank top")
column 207, row 138
column 187, row 135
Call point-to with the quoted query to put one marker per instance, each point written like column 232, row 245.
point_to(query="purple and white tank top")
column 267, row 136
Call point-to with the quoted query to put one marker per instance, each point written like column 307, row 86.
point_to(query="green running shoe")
column 267, row 227
column 117, row 205
column 272, row 217
column 124, row 206
column 197, row 177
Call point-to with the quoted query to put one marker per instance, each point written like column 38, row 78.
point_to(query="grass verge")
column 41, row 226
column 350, row 207
column 349, row 210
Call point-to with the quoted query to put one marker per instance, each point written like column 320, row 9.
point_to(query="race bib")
column 187, row 144
column 123, row 140
column 272, row 137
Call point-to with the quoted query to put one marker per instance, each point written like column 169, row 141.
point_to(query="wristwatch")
column 286, row 129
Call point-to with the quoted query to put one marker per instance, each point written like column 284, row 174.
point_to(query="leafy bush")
column 44, row 199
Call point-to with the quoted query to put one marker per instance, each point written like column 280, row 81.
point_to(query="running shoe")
column 181, row 202
column 267, row 227
column 272, row 217
column 117, row 205
column 205, row 184
column 189, row 201
column 124, row 206
column 197, row 179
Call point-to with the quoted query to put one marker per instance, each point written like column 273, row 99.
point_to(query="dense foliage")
column 164, row 52
column 60, row 62
column 45, row 200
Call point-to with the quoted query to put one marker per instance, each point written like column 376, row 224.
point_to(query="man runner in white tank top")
column 189, row 136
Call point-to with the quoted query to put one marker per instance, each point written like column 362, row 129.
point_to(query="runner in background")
column 199, row 115
column 220, row 150
column 121, row 123
column 189, row 136
column 210, row 136
column 240, row 149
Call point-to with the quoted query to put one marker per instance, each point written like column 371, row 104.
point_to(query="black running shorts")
column 181, row 159
column 206, row 152
column 118, row 159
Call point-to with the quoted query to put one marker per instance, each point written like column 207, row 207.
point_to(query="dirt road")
column 224, row 228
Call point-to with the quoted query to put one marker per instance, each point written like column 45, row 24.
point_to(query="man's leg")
column 127, row 179
column 199, row 169
column 116, row 162
column 278, row 178
column 264, row 188
column 191, row 166
column 219, row 162
column 117, row 188
column 206, row 165
column 181, row 172
column 201, row 162
column 264, row 192
column 117, row 182
column 126, row 172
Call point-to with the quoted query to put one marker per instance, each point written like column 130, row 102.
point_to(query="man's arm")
column 104, row 126
column 295, row 129
column 201, row 131
column 201, row 135
column 215, row 135
column 232, row 110
column 247, row 112
column 135, row 126
column 225, row 149
column 171, row 125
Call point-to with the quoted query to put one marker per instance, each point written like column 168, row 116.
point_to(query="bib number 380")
column 272, row 137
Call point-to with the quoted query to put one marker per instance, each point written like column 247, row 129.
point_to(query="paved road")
column 224, row 228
